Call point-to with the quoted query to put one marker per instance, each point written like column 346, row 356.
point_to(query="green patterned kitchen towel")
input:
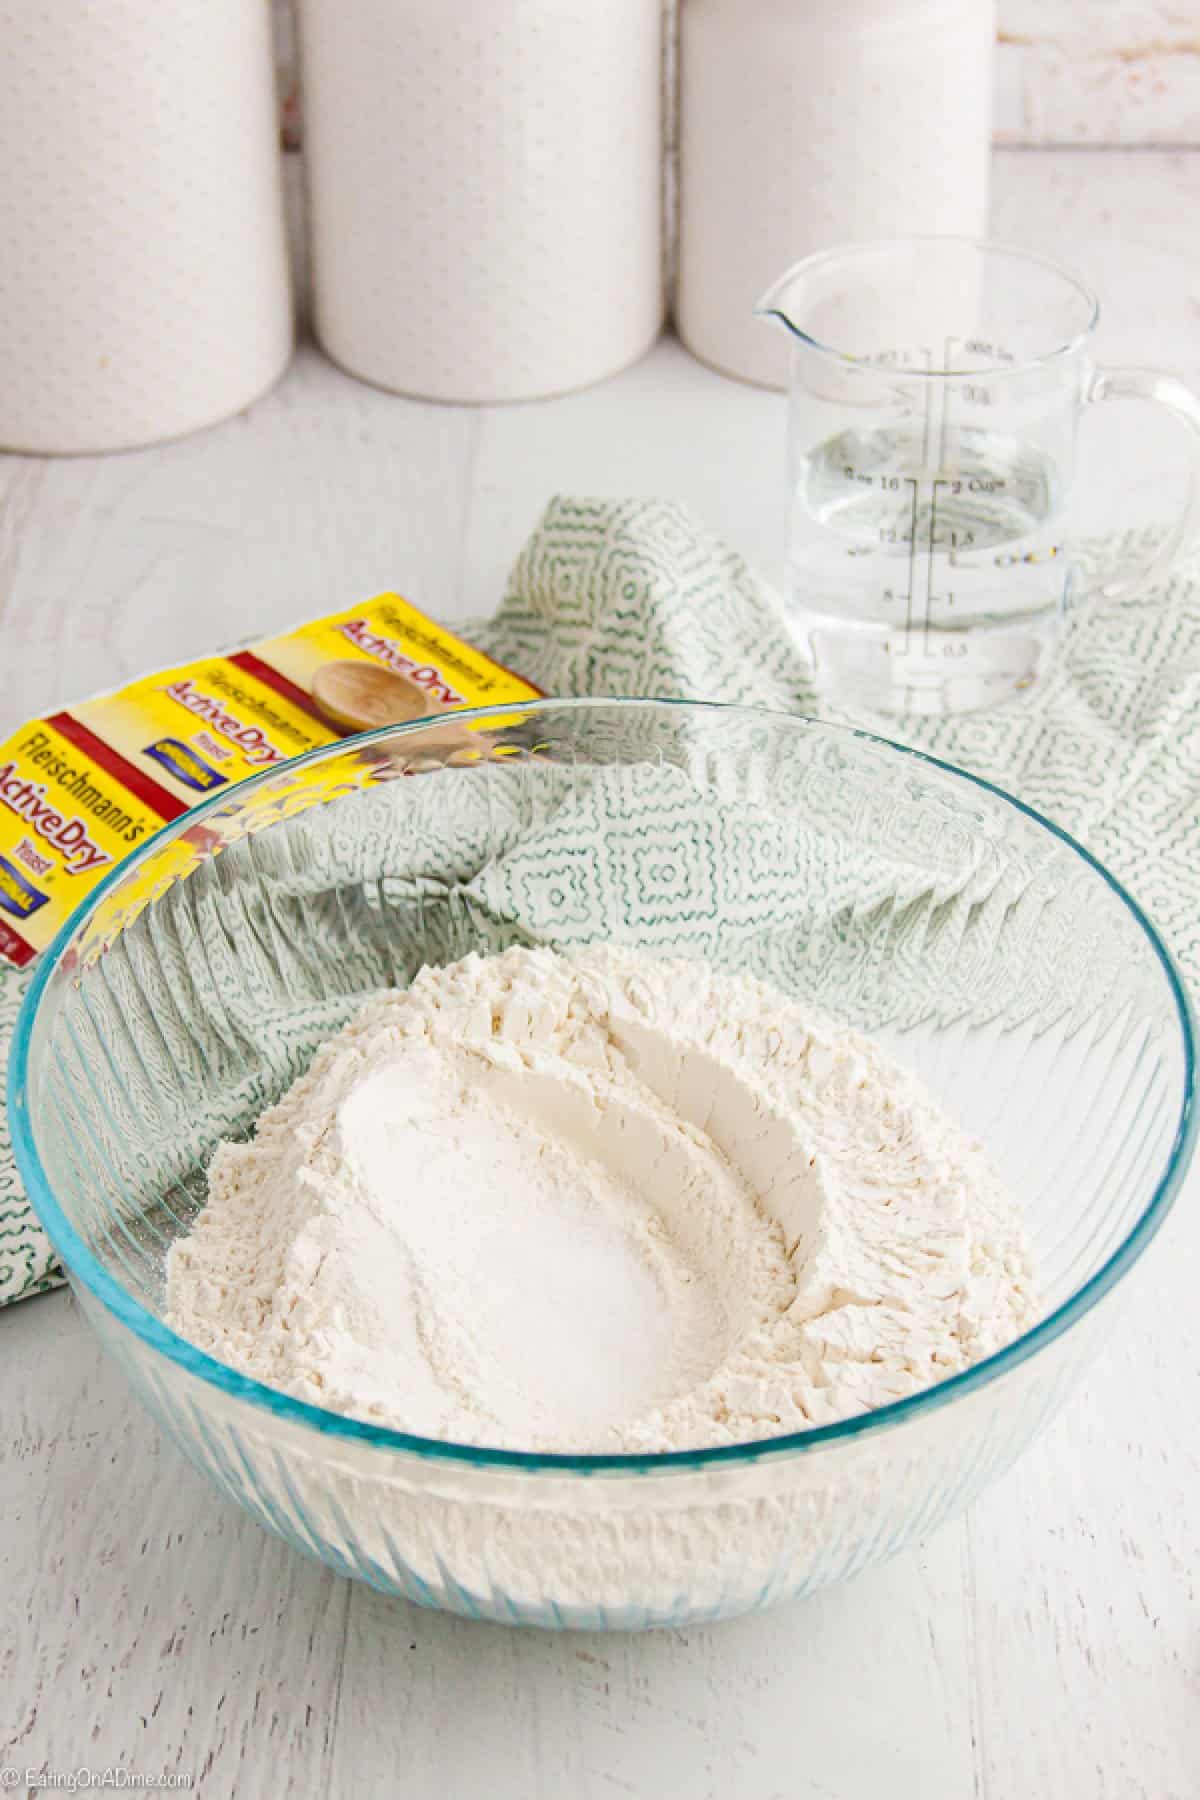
column 633, row 598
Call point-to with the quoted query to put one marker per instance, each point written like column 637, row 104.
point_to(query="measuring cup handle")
column 1184, row 535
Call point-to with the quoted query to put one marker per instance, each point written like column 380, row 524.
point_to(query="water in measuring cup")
column 926, row 587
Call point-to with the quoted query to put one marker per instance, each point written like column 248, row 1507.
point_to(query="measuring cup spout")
column 774, row 304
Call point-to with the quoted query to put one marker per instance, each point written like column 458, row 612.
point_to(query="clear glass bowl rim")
column 82, row 1264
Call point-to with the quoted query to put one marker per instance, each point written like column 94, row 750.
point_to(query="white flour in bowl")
column 596, row 1204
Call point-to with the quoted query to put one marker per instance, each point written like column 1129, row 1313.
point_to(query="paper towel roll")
column 804, row 125
column 485, row 190
column 143, row 265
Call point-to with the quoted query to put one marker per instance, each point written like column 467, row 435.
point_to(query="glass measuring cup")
column 937, row 388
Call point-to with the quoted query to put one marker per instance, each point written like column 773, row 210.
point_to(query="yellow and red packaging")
column 82, row 788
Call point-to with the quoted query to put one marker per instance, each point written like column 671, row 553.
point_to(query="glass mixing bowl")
column 984, row 947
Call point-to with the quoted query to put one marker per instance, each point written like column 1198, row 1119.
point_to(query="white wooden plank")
column 1085, row 1567
column 325, row 492
column 143, row 1622
column 1098, row 72
column 859, row 1691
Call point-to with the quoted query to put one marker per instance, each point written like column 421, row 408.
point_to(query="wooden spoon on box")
column 363, row 696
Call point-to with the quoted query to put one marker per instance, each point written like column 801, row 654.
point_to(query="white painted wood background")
column 1098, row 72
column 1046, row 1648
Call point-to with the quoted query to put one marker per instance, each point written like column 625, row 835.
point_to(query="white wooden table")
column 1046, row 1648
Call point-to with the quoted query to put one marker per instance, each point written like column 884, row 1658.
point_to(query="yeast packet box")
column 84, row 787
